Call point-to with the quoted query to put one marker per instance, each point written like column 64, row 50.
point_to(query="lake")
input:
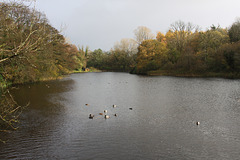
column 156, row 118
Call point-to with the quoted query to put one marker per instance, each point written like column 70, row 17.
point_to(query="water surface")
column 161, row 124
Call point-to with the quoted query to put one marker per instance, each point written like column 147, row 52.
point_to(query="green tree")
column 210, row 42
column 96, row 59
column 231, row 57
column 234, row 31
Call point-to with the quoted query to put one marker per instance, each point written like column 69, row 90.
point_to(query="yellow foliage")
column 151, row 55
column 169, row 34
column 161, row 37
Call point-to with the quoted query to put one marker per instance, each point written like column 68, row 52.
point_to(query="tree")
column 143, row 33
column 22, row 31
column 127, row 45
column 213, row 39
column 26, row 27
column 82, row 57
column 177, row 39
column 180, row 34
column 234, row 31
column 95, row 59
column 30, row 50
column 161, row 37
column 151, row 55
column 210, row 42
column 123, row 55
column 230, row 60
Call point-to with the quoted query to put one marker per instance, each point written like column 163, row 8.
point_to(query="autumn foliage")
column 30, row 50
column 185, row 49
column 151, row 55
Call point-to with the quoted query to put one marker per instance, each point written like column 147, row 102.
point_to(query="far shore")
column 230, row 75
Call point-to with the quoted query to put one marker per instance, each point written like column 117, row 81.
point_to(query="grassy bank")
column 231, row 75
column 4, row 84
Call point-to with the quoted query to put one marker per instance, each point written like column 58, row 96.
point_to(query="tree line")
column 184, row 50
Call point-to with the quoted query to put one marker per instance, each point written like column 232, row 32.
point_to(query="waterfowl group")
column 104, row 113
column 91, row 116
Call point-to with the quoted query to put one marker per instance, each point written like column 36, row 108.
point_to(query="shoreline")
column 46, row 79
column 229, row 75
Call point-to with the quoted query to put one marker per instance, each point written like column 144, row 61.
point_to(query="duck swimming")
column 91, row 116
column 106, row 116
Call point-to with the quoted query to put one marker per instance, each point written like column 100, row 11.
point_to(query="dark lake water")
column 161, row 124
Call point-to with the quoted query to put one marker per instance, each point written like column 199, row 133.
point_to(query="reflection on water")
column 161, row 125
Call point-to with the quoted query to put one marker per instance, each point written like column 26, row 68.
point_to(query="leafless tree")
column 182, row 32
column 143, row 33
column 29, row 25
column 127, row 45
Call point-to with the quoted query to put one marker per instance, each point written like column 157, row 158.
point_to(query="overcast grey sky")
column 100, row 23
